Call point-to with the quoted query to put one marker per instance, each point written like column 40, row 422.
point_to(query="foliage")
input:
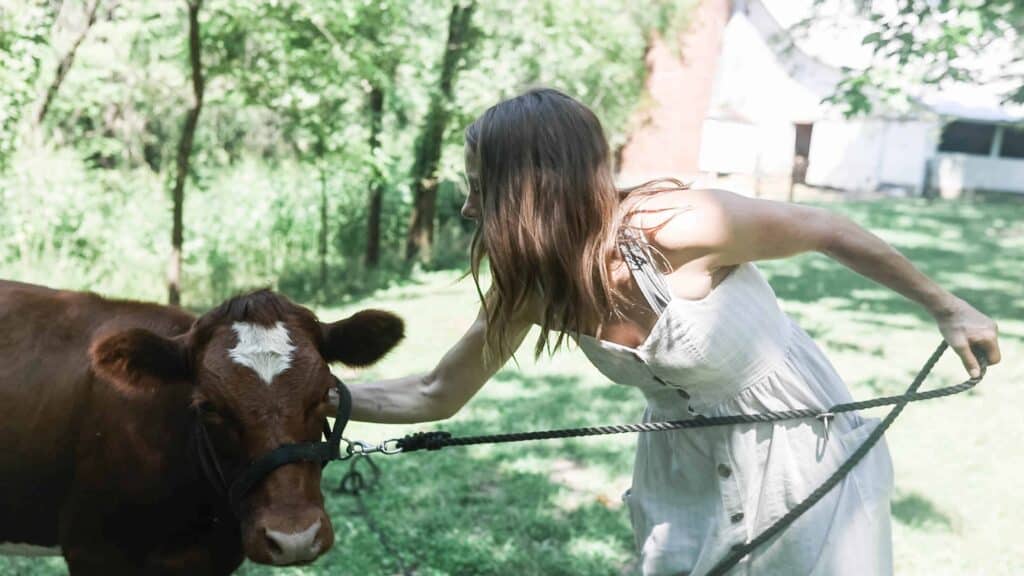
column 546, row 508
column 252, row 225
column 932, row 43
column 285, row 114
column 23, row 42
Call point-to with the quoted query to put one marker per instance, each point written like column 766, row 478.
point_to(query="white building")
column 764, row 115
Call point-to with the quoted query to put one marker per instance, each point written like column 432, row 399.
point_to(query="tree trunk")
column 428, row 148
column 377, row 179
column 188, row 133
column 323, row 219
column 65, row 63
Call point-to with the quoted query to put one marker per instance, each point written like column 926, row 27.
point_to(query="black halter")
column 237, row 488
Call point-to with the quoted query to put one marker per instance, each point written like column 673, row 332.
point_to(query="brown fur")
column 362, row 338
column 96, row 409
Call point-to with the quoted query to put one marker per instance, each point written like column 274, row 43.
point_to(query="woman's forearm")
column 397, row 401
column 872, row 257
column 971, row 334
column 440, row 393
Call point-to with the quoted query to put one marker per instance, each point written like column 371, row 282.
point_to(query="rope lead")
column 439, row 439
column 353, row 483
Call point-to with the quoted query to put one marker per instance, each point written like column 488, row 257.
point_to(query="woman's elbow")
column 438, row 399
column 831, row 231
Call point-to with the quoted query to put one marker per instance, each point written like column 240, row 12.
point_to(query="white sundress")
column 697, row 493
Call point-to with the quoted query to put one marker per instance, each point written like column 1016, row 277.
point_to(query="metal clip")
column 390, row 447
column 354, row 448
column 826, row 419
column 361, row 448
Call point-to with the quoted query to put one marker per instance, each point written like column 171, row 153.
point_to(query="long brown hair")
column 548, row 214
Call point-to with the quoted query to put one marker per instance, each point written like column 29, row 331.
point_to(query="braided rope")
column 439, row 439
column 354, row 483
column 739, row 552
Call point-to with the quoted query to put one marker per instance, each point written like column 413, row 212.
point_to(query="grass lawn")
column 553, row 507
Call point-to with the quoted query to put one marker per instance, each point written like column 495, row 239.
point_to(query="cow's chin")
column 287, row 536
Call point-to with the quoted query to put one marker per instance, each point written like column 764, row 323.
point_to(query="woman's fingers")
column 973, row 336
column 979, row 352
column 963, row 350
column 987, row 350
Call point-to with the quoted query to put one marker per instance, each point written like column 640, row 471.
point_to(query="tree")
column 932, row 43
column 24, row 39
column 325, row 72
column 384, row 37
column 188, row 133
column 64, row 65
column 429, row 146
column 334, row 124
column 376, row 200
column 288, row 57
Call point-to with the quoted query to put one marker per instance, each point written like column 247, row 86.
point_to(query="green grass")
column 553, row 507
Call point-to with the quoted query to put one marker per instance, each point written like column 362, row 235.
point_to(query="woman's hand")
column 971, row 334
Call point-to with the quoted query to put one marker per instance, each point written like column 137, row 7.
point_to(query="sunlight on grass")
column 553, row 507
column 598, row 549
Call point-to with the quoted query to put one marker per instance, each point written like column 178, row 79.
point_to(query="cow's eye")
column 223, row 428
column 210, row 413
column 217, row 416
column 322, row 408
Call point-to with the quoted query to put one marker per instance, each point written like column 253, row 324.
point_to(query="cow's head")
column 257, row 368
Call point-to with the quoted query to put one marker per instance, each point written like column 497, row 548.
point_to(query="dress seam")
column 769, row 368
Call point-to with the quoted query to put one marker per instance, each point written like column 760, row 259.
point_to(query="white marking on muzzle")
column 20, row 549
column 297, row 546
column 265, row 349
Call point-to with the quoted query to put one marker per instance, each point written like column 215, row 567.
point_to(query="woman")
column 656, row 286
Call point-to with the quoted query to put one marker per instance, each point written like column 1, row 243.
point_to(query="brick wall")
column 666, row 140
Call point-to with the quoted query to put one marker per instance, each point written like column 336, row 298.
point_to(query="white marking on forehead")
column 20, row 549
column 265, row 349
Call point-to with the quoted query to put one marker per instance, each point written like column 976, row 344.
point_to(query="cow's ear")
column 138, row 359
column 363, row 338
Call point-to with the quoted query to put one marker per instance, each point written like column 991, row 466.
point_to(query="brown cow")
column 98, row 401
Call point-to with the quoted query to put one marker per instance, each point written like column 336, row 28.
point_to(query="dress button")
column 737, row 517
column 724, row 471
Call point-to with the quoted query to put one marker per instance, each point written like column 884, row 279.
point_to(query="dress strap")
column 652, row 283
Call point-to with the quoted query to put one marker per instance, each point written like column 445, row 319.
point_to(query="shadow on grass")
column 972, row 249
column 916, row 511
column 494, row 510
column 499, row 511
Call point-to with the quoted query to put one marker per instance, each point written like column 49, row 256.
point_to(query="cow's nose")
column 294, row 547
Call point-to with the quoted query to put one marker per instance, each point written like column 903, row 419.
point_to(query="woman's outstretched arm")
column 721, row 229
column 440, row 393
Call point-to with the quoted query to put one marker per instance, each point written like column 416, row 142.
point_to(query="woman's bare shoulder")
column 683, row 224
